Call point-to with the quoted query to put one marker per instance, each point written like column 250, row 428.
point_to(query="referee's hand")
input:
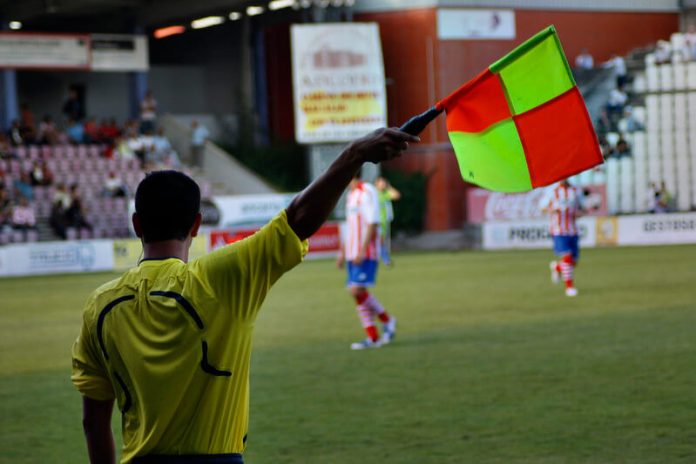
column 382, row 144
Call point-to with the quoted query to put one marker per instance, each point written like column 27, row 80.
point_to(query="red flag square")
column 476, row 105
column 569, row 149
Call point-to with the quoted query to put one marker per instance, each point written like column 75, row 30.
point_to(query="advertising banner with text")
column 325, row 242
column 338, row 81
column 56, row 257
column 484, row 205
column 531, row 234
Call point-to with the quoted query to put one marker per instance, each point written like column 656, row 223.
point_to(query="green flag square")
column 536, row 76
column 494, row 158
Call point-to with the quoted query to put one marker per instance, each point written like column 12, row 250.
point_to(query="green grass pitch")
column 492, row 364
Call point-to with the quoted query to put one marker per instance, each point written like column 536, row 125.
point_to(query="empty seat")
column 691, row 75
column 666, row 76
column 652, row 78
column 680, row 76
column 613, row 185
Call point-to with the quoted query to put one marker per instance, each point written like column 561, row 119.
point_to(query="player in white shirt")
column 360, row 253
column 564, row 203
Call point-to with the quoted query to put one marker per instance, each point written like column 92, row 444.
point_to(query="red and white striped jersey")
column 362, row 209
column 564, row 202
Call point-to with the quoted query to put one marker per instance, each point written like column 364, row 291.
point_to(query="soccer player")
column 564, row 203
column 170, row 340
column 385, row 194
column 360, row 250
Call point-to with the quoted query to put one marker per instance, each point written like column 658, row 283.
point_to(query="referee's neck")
column 167, row 249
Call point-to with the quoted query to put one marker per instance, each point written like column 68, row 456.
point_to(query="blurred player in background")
column 170, row 340
column 564, row 203
column 360, row 253
column 385, row 194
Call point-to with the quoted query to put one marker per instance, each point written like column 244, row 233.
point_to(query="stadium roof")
column 108, row 15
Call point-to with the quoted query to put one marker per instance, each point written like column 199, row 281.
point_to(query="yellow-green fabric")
column 144, row 335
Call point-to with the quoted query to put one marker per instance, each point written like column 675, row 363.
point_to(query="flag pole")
column 416, row 124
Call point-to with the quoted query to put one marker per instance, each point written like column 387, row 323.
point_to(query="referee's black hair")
column 167, row 203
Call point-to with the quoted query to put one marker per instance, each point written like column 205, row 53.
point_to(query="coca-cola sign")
column 483, row 205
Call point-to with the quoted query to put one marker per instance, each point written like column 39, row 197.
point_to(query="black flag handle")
column 416, row 124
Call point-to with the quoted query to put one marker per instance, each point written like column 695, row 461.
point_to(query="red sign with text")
column 325, row 242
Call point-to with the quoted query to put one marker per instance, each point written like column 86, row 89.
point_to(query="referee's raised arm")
column 308, row 211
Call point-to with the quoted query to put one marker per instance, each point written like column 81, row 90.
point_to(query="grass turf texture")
column 492, row 364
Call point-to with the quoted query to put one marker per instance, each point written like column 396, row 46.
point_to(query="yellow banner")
column 607, row 231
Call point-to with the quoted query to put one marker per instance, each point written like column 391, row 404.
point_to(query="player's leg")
column 366, row 316
column 388, row 321
column 555, row 265
column 568, row 263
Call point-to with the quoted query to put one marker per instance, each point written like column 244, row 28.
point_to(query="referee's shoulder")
column 105, row 293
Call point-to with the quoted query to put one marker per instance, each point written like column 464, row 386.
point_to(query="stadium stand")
column 650, row 150
column 87, row 167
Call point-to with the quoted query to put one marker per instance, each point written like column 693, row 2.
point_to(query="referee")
column 170, row 340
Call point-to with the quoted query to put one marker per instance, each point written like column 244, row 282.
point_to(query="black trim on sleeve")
column 207, row 368
column 129, row 400
column 102, row 315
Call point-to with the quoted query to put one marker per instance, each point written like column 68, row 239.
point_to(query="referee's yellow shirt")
column 171, row 342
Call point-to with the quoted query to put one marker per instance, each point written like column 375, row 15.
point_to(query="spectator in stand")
column 75, row 131
column 75, row 214
column 632, row 124
column 5, row 147
column 72, row 108
column 147, row 141
column 23, row 187
column 15, row 133
column 199, row 135
column 109, row 130
column 40, row 175
column 148, row 113
column 28, row 124
column 59, row 206
column 603, row 123
column 663, row 199
column 605, row 147
column 131, row 128
column 584, row 60
column 137, row 146
column 23, row 216
column 622, row 147
column 161, row 146
column 114, row 186
column 615, row 105
column 5, row 208
column 663, row 52
column 123, row 149
column 48, row 134
column 61, row 196
column 618, row 64
column 91, row 131
column 690, row 41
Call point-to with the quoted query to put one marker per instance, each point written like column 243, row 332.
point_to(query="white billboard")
column 25, row 50
column 119, row 52
column 475, row 24
column 531, row 234
column 56, row 257
column 657, row 229
column 338, row 81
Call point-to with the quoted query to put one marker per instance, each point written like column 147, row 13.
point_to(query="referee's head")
column 167, row 207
